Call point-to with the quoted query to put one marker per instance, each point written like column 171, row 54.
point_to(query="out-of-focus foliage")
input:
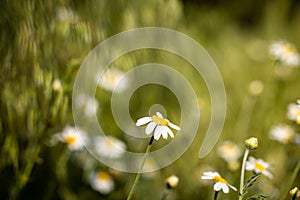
column 46, row 41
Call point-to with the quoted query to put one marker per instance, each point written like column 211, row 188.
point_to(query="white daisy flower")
column 110, row 80
column 282, row 133
column 109, row 147
column 87, row 104
column 229, row 151
column 220, row 183
column 258, row 166
column 102, row 182
column 159, row 125
column 293, row 112
column 75, row 138
column 285, row 52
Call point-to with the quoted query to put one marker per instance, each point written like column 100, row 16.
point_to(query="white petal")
column 143, row 121
column 268, row 174
column 158, row 114
column 249, row 166
column 164, row 132
column 207, row 177
column 225, row 188
column 212, row 174
column 169, row 131
column 232, row 187
column 174, row 126
column 150, row 127
column 157, row 135
column 217, row 186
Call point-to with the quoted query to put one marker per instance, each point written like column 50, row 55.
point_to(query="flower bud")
column 251, row 143
column 295, row 192
column 172, row 181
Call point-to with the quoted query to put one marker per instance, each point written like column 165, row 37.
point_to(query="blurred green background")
column 42, row 41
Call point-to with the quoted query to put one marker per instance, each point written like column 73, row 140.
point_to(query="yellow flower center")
column 288, row 49
column 70, row 140
column 259, row 167
column 159, row 120
column 219, row 179
column 103, row 176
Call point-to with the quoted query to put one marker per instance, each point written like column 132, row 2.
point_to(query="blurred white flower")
column 75, row 138
column 293, row 112
column 258, row 166
column 112, row 80
column 229, row 151
column 172, row 181
column 220, row 183
column 102, row 182
column 87, row 104
column 282, row 133
column 256, row 87
column 56, row 85
column 159, row 125
column 109, row 146
column 64, row 14
column 285, row 52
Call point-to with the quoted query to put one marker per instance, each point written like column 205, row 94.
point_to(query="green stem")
column 243, row 174
column 216, row 195
column 140, row 169
column 165, row 194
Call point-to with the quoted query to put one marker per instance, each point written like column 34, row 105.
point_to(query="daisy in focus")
column 102, row 182
column 258, row 166
column 159, row 125
column 109, row 147
column 282, row 133
column 285, row 52
column 293, row 112
column 220, row 183
column 75, row 138
column 113, row 80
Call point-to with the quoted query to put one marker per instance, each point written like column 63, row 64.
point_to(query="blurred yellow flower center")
column 70, row 140
column 288, row 49
column 219, row 179
column 103, row 176
column 159, row 120
column 112, row 79
column 259, row 167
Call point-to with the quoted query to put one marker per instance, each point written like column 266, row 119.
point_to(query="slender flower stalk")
column 243, row 174
column 216, row 195
column 251, row 144
column 140, row 169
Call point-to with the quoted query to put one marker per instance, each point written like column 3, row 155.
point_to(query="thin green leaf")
column 289, row 183
column 258, row 197
column 250, row 182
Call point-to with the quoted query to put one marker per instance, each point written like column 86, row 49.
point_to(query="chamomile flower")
column 159, row 125
column 113, row 80
column 282, row 133
column 75, row 138
column 229, row 151
column 109, row 147
column 87, row 104
column 220, row 183
column 285, row 52
column 293, row 112
column 258, row 166
column 102, row 182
